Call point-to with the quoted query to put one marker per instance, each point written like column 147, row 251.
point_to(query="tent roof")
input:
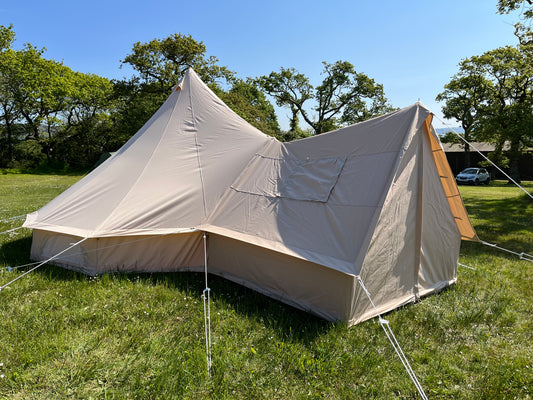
column 317, row 198
column 166, row 178
column 196, row 165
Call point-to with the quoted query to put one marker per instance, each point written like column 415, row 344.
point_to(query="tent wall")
column 311, row 287
column 175, row 252
column 415, row 246
column 302, row 284
column 388, row 268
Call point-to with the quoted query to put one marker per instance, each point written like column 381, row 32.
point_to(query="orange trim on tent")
column 450, row 187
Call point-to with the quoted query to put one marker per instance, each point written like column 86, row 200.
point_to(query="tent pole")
column 207, row 313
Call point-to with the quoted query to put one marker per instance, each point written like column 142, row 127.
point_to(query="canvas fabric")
column 166, row 178
column 299, row 221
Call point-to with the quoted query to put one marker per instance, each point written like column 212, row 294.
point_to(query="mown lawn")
column 66, row 335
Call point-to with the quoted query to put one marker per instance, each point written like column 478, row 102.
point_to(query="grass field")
column 66, row 335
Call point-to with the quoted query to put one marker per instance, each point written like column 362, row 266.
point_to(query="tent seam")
column 198, row 153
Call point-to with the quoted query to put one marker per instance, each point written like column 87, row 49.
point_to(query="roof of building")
column 483, row 147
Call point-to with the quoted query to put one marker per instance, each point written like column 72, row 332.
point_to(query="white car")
column 473, row 176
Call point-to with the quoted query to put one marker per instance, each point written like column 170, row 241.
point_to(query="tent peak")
column 421, row 105
column 179, row 86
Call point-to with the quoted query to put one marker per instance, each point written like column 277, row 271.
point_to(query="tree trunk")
column 294, row 120
column 468, row 159
column 9, row 130
column 467, row 139
column 514, row 164
column 514, row 171
column 9, row 133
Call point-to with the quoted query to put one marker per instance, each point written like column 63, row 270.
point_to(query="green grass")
column 66, row 335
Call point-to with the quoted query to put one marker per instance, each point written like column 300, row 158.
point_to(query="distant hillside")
column 442, row 131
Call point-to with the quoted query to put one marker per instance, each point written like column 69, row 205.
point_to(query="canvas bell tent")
column 163, row 182
column 300, row 221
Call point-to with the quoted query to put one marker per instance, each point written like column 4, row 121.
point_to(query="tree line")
column 53, row 115
column 50, row 114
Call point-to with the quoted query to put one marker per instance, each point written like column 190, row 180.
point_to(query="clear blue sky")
column 412, row 47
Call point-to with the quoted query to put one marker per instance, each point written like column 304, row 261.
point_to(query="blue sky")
column 411, row 47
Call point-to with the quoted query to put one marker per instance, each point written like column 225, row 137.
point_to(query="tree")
column 251, row 104
column 508, row 114
column 7, row 37
column 451, row 137
column 17, row 98
column 290, row 89
column 162, row 62
column 38, row 86
column 523, row 31
column 8, row 114
column 344, row 97
column 133, row 106
column 506, row 6
column 45, row 107
column 463, row 97
column 85, row 130
column 499, row 98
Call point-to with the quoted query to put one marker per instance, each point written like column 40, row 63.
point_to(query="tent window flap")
column 295, row 179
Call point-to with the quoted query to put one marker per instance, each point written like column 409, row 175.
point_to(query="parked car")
column 473, row 176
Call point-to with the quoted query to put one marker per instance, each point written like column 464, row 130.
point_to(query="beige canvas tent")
column 297, row 221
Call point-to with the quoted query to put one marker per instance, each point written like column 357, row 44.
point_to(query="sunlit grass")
column 65, row 335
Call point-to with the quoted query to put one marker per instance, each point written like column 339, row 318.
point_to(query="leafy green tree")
column 85, row 130
column 90, row 96
column 39, row 89
column 294, row 132
column 54, row 105
column 508, row 114
column 162, row 62
column 451, row 137
column 251, row 104
column 463, row 97
column 290, row 89
column 493, row 94
column 20, row 104
column 7, row 37
column 523, row 30
column 8, row 114
column 506, row 6
column 133, row 107
column 344, row 97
